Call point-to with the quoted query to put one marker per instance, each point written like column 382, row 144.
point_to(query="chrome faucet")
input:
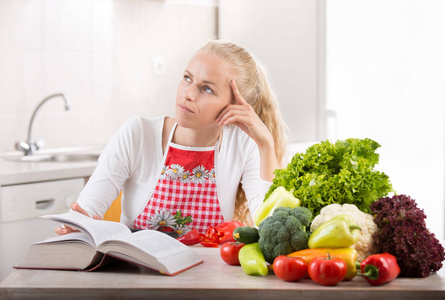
column 29, row 147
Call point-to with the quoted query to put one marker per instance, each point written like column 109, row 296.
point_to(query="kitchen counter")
column 213, row 279
column 18, row 172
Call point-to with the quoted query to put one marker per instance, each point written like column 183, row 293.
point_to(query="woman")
column 213, row 162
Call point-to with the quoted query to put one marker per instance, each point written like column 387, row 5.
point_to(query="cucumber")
column 246, row 234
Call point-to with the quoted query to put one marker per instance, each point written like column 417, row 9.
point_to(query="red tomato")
column 289, row 268
column 327, row 271
column 229, row 252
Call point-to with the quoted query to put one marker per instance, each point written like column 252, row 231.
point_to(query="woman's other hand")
column 66, row 229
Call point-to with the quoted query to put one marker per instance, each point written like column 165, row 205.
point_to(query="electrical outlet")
column 158, row 65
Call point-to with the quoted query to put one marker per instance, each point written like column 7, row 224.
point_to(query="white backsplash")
column 100, row 54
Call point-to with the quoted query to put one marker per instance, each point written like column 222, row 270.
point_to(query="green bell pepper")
column 280, row 197
column 252, row 260
column 338, row 232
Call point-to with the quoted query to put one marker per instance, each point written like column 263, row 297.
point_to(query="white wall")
column 386, row 81
column 100, row 53
column 283, row 36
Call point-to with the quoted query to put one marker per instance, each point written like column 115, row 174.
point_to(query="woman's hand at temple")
column 66, row 229
column 243, row 115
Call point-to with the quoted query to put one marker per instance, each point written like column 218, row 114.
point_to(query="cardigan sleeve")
column 253, row 185
column 114, row 168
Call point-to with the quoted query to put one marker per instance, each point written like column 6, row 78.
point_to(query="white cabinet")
column 287, row 37
column 20, row 208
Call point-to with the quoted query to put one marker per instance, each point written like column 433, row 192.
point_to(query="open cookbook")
column 100, row 240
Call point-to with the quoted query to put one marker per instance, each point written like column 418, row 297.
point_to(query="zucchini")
column 246, row 234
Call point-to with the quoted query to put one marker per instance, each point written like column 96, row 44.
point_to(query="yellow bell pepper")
column 349, row 255
column 338, row 232
column 278, row 198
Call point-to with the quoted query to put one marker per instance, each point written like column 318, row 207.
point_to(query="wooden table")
column 211, row 280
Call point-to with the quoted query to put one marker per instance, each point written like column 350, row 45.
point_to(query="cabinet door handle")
column 44, row 204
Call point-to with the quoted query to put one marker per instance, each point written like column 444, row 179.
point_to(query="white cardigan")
column 133, row 159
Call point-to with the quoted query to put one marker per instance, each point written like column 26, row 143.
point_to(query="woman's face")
column 204, row 91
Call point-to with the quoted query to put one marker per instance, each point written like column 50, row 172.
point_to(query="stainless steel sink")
column 72, row 157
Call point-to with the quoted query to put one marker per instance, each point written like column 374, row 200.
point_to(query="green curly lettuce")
column 335, row 173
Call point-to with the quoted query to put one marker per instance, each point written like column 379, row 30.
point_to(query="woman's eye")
column 208, row 90
column 186, row 78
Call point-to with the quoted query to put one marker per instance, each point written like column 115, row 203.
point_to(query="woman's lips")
column 185, row 108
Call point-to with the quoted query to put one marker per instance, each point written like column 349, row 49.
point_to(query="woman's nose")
column 190, row 93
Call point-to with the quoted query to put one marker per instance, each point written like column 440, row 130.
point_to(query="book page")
column 153, row 242
column 74, row 236
column 152, row 249
column 99, row 230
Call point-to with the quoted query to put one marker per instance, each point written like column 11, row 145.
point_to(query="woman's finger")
column 228, row 117
column 237, row 120
column 76, row 207
column 236, row 93
column 60, row 230
column 64, row 230
column 233, row 109
column 67, row 229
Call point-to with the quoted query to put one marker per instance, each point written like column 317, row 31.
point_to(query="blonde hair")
column 253, row 85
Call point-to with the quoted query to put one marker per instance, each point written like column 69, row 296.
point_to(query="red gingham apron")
column 186, row 188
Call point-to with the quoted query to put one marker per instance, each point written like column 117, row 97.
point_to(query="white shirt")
column 133, row 159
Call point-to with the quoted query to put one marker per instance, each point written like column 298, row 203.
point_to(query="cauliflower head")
column 365, row 244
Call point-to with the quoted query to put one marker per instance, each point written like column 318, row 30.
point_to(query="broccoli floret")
column 303, row 214
column 284, row 232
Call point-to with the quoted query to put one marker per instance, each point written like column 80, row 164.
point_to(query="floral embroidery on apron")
column 185, row 196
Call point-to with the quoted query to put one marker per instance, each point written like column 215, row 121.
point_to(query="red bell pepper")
column 379, row 268
column 220, row 234
column 191, row 238
column 209, row 244
column 209, row 239
column 225, row 231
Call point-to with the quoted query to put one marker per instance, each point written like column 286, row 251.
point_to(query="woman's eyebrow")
column 188, row 73
column 209, row 82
